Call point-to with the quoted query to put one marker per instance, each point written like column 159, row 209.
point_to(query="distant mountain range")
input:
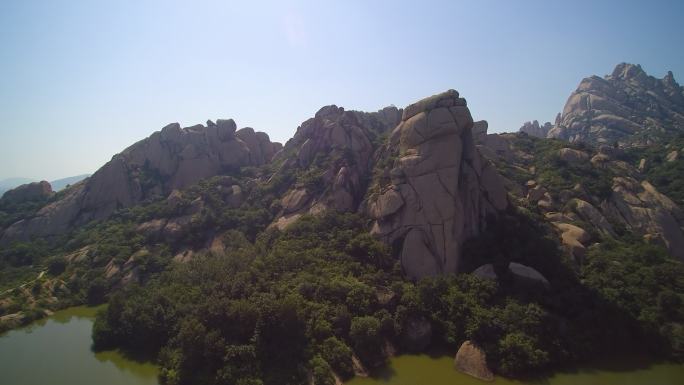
column 58, row 184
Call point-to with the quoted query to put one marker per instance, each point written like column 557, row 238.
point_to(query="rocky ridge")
column 172, row 158
column 626, row 107
column 533, row 128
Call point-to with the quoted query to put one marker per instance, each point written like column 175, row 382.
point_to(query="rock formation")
column 35, row 191
column 534, row 129
column 471, row 359
column 615, row 108
column 641, row 208
column 172, row 158
column 335, row 148
column 436, row 190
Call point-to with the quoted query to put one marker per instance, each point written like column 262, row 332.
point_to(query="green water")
column 56, row 351
column 426, row 370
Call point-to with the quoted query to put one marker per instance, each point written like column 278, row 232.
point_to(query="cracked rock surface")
column 438, row 191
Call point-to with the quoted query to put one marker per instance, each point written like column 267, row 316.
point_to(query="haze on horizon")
column 81, row 80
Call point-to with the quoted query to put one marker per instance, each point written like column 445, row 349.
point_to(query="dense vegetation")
column 302, row 301
column 552, row 172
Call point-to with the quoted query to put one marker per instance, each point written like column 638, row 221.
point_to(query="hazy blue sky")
column 82, row 80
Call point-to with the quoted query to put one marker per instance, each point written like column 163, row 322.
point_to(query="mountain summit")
column 626, row 107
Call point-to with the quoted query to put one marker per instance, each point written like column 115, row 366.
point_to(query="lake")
column 56, row 351
column 427, row 370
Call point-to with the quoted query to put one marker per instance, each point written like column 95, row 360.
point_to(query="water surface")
column 427, row 370
column 57, row 351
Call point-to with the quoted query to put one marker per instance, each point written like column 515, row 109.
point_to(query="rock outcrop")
column 534, row 129
column 436, row 191
column 335, row 148
column 172, row 158
column 614, row 108
column 36, row 191
column 644, row 210
column 471, row 359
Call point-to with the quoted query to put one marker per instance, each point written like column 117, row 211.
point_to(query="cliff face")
column 627, row 107
column 172, row 158
column 435, row 191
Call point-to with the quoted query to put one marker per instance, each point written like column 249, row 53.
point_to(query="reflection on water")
column 439, row 370
column 57, row 351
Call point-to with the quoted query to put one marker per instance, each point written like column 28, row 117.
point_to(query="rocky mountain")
column 534, row 129
column 626, row 107
column 370, row 234
column 173, row 158
column 582, row 190
column 332, row 155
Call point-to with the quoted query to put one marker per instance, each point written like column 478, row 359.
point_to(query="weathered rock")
column 642, row 165
column 440, row 191
column 480, row 131
column 485, row 272
column 611, row 109
column 345, row 139
column 295, row 200
column 527, row 273
column 536, row 193
column 573, row 239
column 387, row 204
column 641, row 208
column 173, row 158
column 35, row 191
column 672, row 156
column 592, row 215
column 572, row 156
column 534, row 129
column 471, row 359
column 152, row 229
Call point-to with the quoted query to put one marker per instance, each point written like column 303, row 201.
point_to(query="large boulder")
column 591, row 214
column 573, row 238
column 35, row 191
column 439, row 191
column 527, row 274
column 572, row 156
column 472, row 360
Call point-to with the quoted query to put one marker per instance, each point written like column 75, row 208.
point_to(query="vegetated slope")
column 269, row 274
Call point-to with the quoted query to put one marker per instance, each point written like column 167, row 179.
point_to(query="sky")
column 82, row 80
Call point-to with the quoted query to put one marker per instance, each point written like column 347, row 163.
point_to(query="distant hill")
column 10, row 183
column 62, row 183
column 58, row 184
